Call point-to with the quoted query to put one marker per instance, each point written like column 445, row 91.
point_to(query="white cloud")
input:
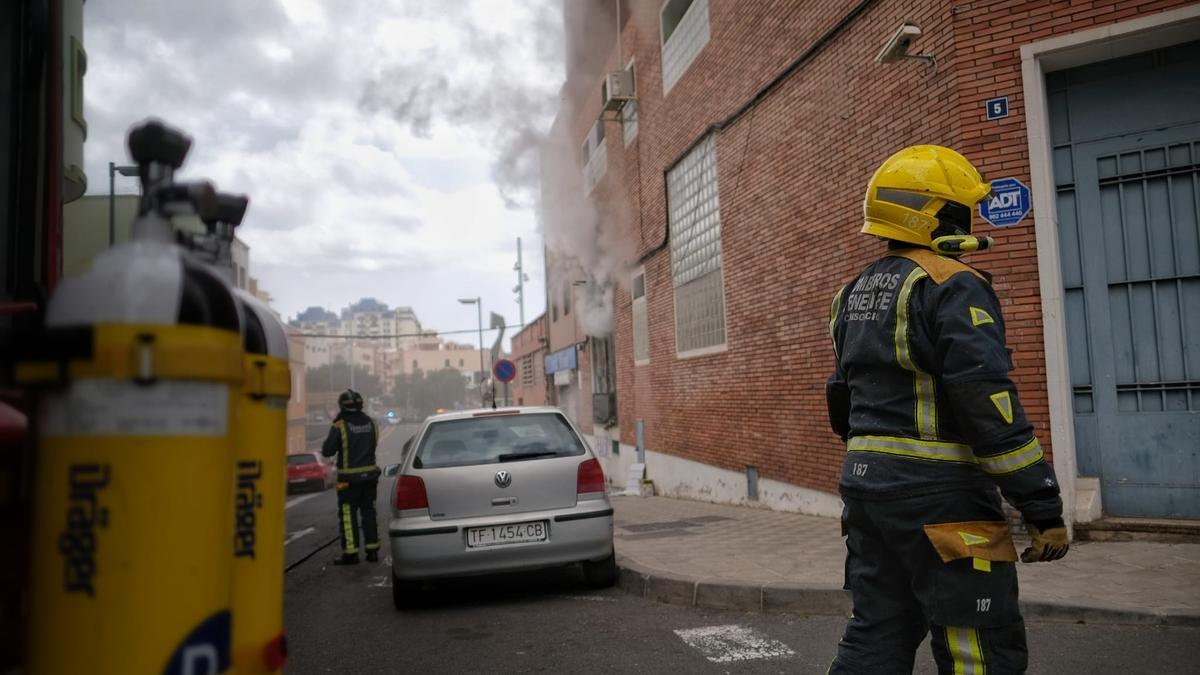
column 347, row 198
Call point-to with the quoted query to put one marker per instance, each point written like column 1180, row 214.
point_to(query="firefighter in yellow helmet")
column 933, row 426
column 353, row 439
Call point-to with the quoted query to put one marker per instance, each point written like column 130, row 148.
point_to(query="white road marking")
column 301, row 499
column 382, row 582
column 293, row 536
column 726, row 644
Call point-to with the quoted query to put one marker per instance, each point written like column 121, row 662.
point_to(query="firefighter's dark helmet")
column 350, row 400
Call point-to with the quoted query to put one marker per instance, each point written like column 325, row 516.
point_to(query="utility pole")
column 519, row 289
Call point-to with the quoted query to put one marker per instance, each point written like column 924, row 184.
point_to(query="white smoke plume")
column 536, row 164
column 467, row 83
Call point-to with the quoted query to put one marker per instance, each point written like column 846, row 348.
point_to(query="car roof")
column 485, row 412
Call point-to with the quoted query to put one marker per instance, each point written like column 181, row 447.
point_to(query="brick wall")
column 988, row 39
column 530, row 343
column 792, row 171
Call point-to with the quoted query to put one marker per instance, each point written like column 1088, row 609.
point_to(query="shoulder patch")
column 938, row 267
column 1003, row 403
column 980, row 317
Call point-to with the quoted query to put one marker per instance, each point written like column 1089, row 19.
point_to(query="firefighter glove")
column 1049, row 541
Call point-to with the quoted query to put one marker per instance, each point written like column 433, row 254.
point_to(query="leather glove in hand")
column 1049, row 542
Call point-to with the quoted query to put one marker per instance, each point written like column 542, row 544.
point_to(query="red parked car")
column 309, row 471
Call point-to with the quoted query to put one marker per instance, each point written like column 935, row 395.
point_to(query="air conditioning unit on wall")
column 616, row 89
column 604, row 408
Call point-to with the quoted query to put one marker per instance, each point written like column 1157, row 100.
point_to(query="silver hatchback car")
column 488, row 491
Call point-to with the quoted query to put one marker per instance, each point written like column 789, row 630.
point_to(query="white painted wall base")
column 685, row 479
column 1087, row 499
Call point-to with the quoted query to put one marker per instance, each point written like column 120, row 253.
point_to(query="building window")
column 684, row 33
column 595, row 156
column 641, row 321
column 460, row 363
column 566, row 298
column 629, row 112
column 694, row 219
column 604, row 366
column 527, row 370
column 414, row 365
column 553, row 312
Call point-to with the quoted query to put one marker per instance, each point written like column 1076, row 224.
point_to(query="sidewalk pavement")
column 736, row 557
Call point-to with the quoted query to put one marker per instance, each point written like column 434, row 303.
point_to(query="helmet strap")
column 960, row 244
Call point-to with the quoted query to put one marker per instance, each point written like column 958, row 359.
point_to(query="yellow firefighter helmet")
column 925, row 195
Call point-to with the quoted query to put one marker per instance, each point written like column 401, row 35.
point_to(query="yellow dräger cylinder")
column 260, row 459
column 133, row 524
column 133, row 514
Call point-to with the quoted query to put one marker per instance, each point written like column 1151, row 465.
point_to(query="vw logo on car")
column 503, row 479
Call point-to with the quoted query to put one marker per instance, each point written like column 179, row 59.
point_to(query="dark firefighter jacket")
column 921, row 391
column 352, row 438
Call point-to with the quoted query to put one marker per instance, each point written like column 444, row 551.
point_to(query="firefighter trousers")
column 356, row 500
column 901, row 590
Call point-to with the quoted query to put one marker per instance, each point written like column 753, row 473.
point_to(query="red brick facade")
column 792, row 170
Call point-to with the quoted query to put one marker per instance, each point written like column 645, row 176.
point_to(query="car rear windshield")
column 492, row 440
column 301, row 459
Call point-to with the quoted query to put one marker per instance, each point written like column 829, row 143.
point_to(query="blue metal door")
column 1129, row 225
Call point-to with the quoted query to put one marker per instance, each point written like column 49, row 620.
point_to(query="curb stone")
column 833, row 601
column 710, row 594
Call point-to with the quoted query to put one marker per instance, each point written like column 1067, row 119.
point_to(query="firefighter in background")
column 921, row 394
column 353, row 439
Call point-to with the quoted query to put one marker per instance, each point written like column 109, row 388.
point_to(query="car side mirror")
column 391, row 470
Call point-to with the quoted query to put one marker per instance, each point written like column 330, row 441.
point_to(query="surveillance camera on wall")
column 897, row 45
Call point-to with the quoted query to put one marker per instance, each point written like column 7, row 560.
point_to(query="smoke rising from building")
column 535, row 164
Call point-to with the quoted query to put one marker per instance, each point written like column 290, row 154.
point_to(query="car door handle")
column 504, row 501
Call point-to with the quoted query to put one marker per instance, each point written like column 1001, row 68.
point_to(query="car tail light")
column 410, row 493
column 591, row 477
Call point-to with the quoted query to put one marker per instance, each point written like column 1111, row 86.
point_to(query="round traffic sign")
column 505, row 370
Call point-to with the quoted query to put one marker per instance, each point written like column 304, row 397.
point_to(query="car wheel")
column 405, row 594
column 601, row 573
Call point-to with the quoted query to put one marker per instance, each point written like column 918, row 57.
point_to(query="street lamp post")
column 478, row 302
column 113, row 170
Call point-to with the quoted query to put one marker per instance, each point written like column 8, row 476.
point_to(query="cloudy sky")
column 386, row 145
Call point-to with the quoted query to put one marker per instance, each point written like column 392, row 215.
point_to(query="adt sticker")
column 997, row 108
column 1008, row 205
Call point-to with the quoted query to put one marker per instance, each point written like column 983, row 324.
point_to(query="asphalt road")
column 341, row 620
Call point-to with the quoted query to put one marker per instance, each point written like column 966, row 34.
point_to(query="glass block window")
column 527, row 370
column 694, row 219
column 629, row 121
column 641, row 321
column 595, row 157
column 684, row 26
column 629, row 112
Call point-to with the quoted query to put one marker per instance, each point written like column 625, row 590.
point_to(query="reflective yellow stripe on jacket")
column 345, row 445
column 942, row 451
column 1013, row 460
column 939, row 451
column 926, row 407
column 834, row 310
column 358, row 469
